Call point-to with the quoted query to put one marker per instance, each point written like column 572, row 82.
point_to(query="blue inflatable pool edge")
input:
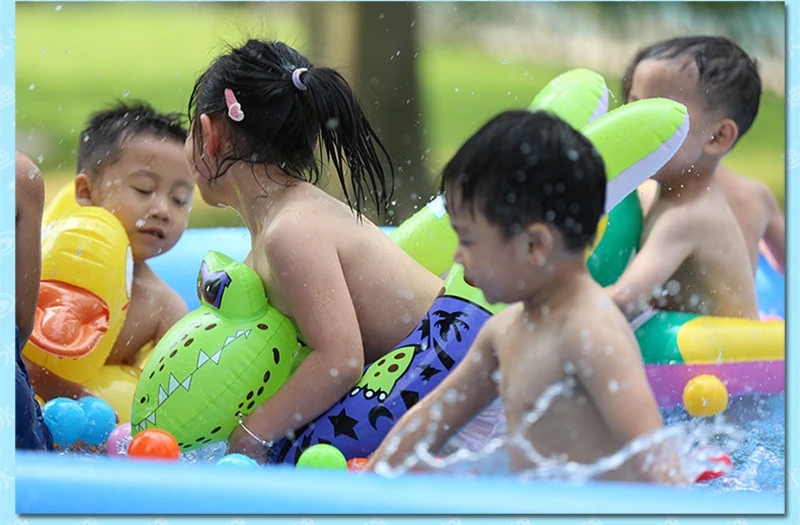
column 46, row 484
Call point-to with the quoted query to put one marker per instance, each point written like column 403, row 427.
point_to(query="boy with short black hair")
column 131, row 163
column 691, row 237
column 525, row 195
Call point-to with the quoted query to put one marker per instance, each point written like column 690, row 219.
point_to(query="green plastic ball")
column 322, row 456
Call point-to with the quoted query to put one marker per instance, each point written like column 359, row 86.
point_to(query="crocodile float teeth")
column 186, row 383
column 162, row 396
column 202, row 358
column 151, row 419
column 245, row 333
column 173, row 384
column 216, row 357
column 229, row 340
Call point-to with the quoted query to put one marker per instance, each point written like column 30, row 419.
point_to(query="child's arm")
column 173, row 309
column 30, row 204
column 629, row 410
column 49, row 386
column 475, row 388
column 647, row 191
column 669, row 244
column 775, row 234
column 306, row 267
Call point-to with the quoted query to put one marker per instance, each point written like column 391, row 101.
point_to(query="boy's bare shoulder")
column 597, row 320
column 497, row 328
column 154, row 287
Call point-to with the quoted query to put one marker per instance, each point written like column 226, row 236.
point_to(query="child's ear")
column 723, row 137
column 212, row 134
column 539, row 240
column 83, row 189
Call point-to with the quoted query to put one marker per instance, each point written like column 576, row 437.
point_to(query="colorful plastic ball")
column 237, row 461
column 65, row 419
column 356, row 464
column 322, row 456
column 721, row 461
column 154, row 443
column 119, row 440
column 100, row 420
column 705, row 395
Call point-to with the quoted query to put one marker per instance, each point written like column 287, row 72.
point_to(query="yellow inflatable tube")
column 87, row 270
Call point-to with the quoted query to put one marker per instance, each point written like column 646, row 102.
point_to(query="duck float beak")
column 70, row 321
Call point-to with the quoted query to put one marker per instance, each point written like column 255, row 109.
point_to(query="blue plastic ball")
column 65, row 419
column 100, row 420
column 237, row 461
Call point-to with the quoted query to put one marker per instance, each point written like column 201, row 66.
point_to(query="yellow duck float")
column 87, row 273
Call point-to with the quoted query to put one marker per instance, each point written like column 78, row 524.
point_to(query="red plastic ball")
column 154, row 444
column 356, row 464
column 724, row 462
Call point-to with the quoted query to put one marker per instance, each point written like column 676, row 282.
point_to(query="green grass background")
column 73, row 59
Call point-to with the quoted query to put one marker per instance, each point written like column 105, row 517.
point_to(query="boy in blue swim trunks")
column 31, row 431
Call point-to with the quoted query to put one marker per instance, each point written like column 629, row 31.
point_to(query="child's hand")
column 50, row 386
column 240, row 442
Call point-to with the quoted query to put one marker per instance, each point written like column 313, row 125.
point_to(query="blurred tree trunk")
column 386, row 77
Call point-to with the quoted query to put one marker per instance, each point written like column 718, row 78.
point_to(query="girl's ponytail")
column 349, row 140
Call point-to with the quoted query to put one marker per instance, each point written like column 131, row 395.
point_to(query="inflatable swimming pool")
column 52, row 484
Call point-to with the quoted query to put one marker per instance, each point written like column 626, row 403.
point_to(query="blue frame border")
column 7, row 286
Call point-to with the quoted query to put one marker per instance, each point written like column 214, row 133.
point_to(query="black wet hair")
column 524, row 167
column 100, row 143
column 283, row 123
column 728, row 77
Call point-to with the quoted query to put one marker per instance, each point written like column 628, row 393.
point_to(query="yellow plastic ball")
column 705, row 395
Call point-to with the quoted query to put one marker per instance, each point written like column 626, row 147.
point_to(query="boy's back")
column 757, row 213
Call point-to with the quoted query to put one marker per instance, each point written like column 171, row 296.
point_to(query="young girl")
column 258, row 114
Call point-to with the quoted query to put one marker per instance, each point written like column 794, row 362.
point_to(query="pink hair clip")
column 234, row 108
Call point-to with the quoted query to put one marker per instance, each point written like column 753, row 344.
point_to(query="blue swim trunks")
column 32, row 433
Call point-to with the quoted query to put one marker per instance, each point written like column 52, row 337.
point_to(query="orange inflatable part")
column 69, row 321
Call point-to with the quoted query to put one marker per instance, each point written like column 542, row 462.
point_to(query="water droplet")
column 456, row 90
column 32, row 87
column 139, row 223
column 126, row 93
column 58, row 7
column 613, row 386
column 334, row 372
column 673, row 287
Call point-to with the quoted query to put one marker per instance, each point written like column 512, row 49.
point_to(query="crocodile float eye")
column 211, row 285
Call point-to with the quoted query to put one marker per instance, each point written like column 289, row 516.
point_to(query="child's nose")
column 160, row 209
